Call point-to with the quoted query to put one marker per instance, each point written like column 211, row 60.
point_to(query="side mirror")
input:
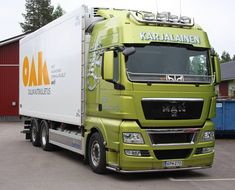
column 129, row 51
column 108, row 65
column 216, row 66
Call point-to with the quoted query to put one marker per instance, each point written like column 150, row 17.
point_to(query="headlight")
column 133, row 138
column 208, row 136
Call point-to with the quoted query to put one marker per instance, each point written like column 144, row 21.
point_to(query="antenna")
column 156, row 2
column 180, row 9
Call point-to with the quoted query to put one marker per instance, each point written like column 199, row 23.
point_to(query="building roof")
column 228, row 71
column 11, row 40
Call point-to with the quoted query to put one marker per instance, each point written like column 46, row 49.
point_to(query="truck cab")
column 150, row 91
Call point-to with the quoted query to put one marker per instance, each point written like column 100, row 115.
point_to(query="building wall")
column 9, row 79
column 226, row 90
column 223, row 89
column 231, row 89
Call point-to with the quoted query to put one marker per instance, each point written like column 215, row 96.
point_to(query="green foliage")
column 225, row 57
column 233, row 58
column 198, row 65
column 39, row 13
column 58, row 12
column 213, row 52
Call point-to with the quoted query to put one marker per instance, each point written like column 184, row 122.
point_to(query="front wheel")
column 96, row 153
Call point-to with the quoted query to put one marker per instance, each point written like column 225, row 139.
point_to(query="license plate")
column 173, row 164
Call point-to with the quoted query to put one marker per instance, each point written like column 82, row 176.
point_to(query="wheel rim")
column 44, row 136
column 95, row 153
column 34, row 133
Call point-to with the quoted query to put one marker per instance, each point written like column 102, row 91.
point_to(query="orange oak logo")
column 33, row 77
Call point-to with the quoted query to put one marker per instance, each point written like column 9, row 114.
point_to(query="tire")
column 97, row 154
column 45, row 136
column 35, row 133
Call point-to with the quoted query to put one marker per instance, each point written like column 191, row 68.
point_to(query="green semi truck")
column 131, row 91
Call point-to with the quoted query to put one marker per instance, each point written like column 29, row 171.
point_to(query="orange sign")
column 33, row 77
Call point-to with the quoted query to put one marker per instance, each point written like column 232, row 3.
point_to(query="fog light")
column 205, row 150
column 133, row 152
column 143, row 153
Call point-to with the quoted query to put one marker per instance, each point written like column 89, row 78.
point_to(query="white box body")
column 54, row 90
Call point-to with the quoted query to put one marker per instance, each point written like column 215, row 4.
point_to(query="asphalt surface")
column 24, row 167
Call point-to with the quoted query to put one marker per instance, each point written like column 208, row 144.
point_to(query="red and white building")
column 9, row 77
column 226, row 89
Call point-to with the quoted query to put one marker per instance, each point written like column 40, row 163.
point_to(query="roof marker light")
column 149, row 16
column 164, row 18
column 185, row 20
column 173, row 18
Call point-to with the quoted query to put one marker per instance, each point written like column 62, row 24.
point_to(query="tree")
column 225, row 57
column 39, row 13
column 58, row 12
column 233, row 58
column 213, row 52
column 198, row 65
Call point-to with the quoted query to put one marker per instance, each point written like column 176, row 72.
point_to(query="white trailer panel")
column 51, row 71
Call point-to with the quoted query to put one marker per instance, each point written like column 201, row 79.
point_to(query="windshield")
column 165, row 63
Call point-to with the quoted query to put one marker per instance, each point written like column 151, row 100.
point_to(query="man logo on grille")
column 174, row 110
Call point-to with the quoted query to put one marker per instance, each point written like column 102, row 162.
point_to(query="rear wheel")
column 45, row 136
column 96, row 153
column 35, row 133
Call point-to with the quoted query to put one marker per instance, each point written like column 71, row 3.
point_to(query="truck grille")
column 178, row 136
column 171, row 138
column 172, row 108
column 172, row 154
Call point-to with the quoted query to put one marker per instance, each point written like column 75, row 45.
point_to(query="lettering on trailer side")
column 30, row 76
column 35, row 76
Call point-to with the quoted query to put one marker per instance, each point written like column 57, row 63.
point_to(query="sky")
column 216, row 17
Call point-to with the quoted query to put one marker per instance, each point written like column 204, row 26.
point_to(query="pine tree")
column 38, row 13
column 225, row 57
column 233, row 57
column 58, row 12
column 213, row 52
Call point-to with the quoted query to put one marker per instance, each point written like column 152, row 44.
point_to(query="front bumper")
column 154, row 170
column 150, row 163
